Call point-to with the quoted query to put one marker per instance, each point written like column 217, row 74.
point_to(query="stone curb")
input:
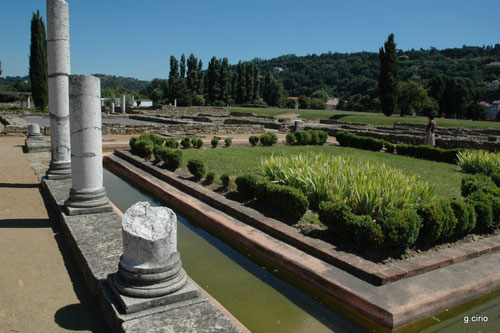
column 367, row 270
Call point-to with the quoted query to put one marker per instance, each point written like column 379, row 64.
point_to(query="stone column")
column 87, row 194
column 175, row 102
column 58, row 71
column 113, row 107
column 124, row 106
column 132, row 100
column 150, row 271
column 29, row 102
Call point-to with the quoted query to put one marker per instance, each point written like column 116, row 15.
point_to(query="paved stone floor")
column 41, row 289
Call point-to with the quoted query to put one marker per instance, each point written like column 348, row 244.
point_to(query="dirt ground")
column 41, row 289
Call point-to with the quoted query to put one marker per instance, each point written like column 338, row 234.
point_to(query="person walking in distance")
column 430, row 139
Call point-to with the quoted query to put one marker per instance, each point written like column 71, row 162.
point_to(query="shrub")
column 214, row 142
column 254, row 140
column 196, row 168
column 291, row 139
column 171, row 143
column 341, row 221
column 228, row 142
column 157, row 152
column 197, row 143
column 449, row 219
column 154, row 138
column 322, row 137
column 365, row 186
column 495, row 177
column 432, row 226
column 186, row 143
column 400, row 227
column 317, row 104
column 478, row 182
column 348, row 139
column 132, row 142
column 428, row 153
column 268, row 139
column 246, row 186
column 143, row 148
column 303, row 138
column 225, row 180
column 389, row 147
column 479, row 161
column 172, row 159
column 466, row 217
column 210, row 177
column 484, row 210
column 287, row 200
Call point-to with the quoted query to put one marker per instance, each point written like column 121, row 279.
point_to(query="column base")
column 134, row 304
column 87, row 202
column 59, row 170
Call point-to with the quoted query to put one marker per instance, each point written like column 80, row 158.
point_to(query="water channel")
column 265, row 303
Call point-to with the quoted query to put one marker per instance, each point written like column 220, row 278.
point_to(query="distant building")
column 277, row 69
column 495, row 84
column 332, row 103
column 490, row 109
column 143, row 103
column 493, row 64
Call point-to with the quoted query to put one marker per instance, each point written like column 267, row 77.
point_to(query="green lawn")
column 369, row 117
column 240, row 160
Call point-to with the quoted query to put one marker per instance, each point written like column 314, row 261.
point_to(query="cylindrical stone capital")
column 86, row 136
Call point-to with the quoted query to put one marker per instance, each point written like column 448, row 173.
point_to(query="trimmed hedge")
column 228, row 142
column 154, row 138
column 291, row 139
column 343, row 223
column 171, row 143
column 196, row 168
column 348, row 139
column 400, row 227
column 254, row 140
column 466, row 217
column 214, row 142
column 210, row 177
column 268, row 139
column 246, row 186
column 143, row 148
column 428, row 153
column 309, row 137
column 484, row 210
column 478, row 182
column 172, row 159
column 225, row 180
column 286, row 200
column 197, row 143
column 186, row 143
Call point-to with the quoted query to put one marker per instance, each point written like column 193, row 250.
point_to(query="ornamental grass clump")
column 479, row 161
column 367, row 188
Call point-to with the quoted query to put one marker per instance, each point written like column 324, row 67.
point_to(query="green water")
column 265, row 303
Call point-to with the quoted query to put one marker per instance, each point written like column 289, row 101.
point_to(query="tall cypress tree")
column 38, row 63
column 199, row 77
column 388, row 81
column 213, row 88
column 224, row 80
column 241, row 89
column 182, row 66
column 192, row 72
column 174, row 68
column 249, row 82
column 256, row 83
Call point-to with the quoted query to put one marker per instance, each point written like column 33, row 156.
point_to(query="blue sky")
column 136, row 38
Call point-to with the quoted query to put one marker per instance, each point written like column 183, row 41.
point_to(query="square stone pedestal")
column 88, row 210
column 135, row 304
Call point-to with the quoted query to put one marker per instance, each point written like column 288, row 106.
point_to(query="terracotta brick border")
column 377, row 274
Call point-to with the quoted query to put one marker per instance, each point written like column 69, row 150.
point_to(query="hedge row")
column 428, row 153
column 286, row 200
column 267, row 139
column 348, row 139
column 309, row 137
